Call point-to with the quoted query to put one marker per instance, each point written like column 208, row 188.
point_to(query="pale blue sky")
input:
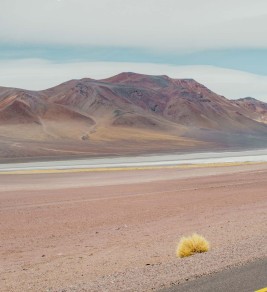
column 221, row 43
column 250, row 60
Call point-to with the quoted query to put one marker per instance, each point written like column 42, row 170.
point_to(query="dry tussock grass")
column 191, row 245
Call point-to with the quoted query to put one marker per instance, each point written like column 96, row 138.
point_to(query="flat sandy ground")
column 118, row 231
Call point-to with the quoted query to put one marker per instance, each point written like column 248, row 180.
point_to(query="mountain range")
column 126, row 114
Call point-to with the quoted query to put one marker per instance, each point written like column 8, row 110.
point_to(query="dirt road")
column 117, row 231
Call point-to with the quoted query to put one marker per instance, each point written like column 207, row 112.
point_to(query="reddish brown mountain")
column 127, row 113
column 253, row 108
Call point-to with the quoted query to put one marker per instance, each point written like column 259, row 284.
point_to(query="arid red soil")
column 118, row 231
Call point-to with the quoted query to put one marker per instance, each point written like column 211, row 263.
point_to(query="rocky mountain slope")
column 252, row 108
column 127, row 113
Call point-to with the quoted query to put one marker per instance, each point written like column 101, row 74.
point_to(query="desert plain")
column 118, row 230
column 125, row 127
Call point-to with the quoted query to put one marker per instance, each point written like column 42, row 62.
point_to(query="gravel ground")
column 123, row 236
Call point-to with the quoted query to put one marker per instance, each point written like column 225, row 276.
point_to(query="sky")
column 221, row 44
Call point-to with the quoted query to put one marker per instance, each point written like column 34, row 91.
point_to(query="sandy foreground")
column 118, row 231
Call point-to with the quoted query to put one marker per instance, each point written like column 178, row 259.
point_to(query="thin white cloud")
column 40, row 74
column 155, row 24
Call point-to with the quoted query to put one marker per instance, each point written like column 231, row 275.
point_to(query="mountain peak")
column 132, row 107
column 248, row 98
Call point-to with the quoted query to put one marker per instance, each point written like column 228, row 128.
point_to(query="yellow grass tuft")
column 191, row 245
